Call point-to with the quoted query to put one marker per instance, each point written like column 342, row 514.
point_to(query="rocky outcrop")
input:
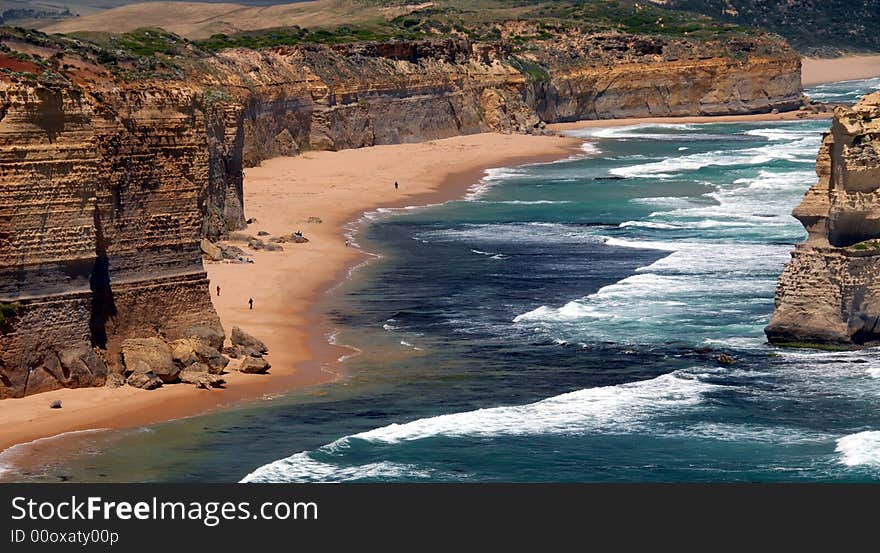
column 188, row 352
column 150, row 355
column 144, row 380
column 829, row 292
column 111, row 176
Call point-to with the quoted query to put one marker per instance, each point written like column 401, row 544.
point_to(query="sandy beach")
column 818, row 71
column 281, row 194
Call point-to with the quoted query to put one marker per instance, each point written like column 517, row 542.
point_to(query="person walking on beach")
column 395, row 185
column 218, row 291
column 251, row 302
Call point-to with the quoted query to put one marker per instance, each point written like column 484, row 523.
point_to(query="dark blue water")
column 563, row 323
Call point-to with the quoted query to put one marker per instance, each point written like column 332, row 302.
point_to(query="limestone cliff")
column 99, row 225
column 609, row 76
column 110, row 175
column 829, row 292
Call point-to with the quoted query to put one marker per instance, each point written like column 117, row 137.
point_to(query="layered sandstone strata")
column 610, row 76
column 99, row 225
column 108, row 182
column 830, row 291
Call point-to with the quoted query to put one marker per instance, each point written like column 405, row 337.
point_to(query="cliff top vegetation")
column 527, row 31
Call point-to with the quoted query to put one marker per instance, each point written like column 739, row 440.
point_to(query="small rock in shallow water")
column 726, row 359
column 56, row 404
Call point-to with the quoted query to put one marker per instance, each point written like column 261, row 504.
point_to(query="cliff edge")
column 829, row 293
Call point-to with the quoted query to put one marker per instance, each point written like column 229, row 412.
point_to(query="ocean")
column 563, row 323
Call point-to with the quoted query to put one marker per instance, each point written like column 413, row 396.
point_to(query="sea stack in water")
column 830, row 291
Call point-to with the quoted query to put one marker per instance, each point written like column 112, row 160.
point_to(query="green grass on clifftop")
column 485, row 20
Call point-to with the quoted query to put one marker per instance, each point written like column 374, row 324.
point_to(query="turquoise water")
column 562, row 323
column 844, row 92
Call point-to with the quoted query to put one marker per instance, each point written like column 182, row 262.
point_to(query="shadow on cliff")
column 103, row 304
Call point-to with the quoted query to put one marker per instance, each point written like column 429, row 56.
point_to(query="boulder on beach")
column 201, row 379
column 189, row 351
column 246, row 341
column 153, row 355
column 114, row 380
column 211, row 250
column 212, row 336
column 82, row 366
column 254, row 365
column 144, row 380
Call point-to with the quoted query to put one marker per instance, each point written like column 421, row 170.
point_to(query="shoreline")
column 292, row 323
column 795, row 115
column 290, row 287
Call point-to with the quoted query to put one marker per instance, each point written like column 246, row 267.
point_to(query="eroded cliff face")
column 99, row 226
column 830, row 291
column 321, row 98
column 107, row 185
column 348, row 96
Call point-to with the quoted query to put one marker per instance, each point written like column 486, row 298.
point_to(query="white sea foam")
column 665, row 201
column 648, row 224
column 795, row 151
column 781, row 133
column 843, row 91
column 641, row 131
column 621, row 408
column 490, row 255
column 641, row 244
column 492, row 177
column 302, row 468
column 547, row 233
column 715, row 271
column 743, row 432
column 590, row 149
column 862, row 448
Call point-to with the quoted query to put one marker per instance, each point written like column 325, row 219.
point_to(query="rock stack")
column 830, row 291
